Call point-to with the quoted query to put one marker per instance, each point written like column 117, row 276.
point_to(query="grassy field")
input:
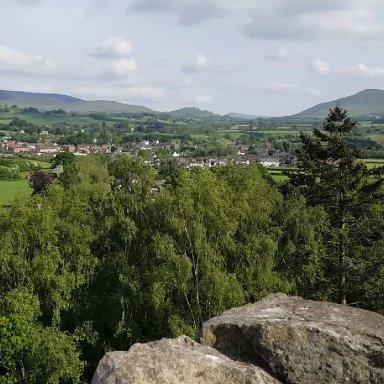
column 279, row 174
column 240, row 127
column 234, row 134
column 10, row 189
column 279, row 178
column 46, row 120
column 372, row 163
column 42, row 164
column 279, row 131
column 50, row 120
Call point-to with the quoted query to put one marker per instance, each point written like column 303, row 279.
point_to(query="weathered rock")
column 175, row 361
column 303, row 341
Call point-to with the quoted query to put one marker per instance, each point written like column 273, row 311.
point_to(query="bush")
column 8, row 174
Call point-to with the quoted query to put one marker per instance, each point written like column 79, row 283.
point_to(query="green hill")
column 192, row 113
column 51, row 101
column 369, row 102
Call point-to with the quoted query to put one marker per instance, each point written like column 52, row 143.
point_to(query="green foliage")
column 9, row 189
column 30, row 353
column 104, row 258
column 39, row 181
column 64, row 159
column 301, row 255
column 86, row 176
column 332, row 177
column 46, row 249
column 8, row 173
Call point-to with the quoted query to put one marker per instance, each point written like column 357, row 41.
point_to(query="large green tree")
column 332, row 176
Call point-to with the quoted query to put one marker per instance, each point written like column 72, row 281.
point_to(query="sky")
column 265, row 58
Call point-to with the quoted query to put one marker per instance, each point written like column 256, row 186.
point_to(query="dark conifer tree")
column 333, row 176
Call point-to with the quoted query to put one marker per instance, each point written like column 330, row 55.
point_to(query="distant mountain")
column 193, row 113
column 241, row 116
column 369, row 102
column 51, row 101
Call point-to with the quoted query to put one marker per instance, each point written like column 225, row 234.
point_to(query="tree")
column 301, row 253
column 332, row 176
column 30, row 353
column 39, row 181
column 64, row 159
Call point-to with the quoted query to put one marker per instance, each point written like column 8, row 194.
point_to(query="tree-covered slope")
column 193, row 113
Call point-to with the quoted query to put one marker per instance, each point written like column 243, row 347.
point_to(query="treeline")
column 108, row 255
column 13, row 168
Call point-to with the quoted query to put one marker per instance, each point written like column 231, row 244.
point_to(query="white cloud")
column 124, row 67
column 199, row 99
column 12, row 60
column 27, row 2
column 45, row 88
column 281, row 54
column 147, row 91
column 128, row 94
column 310, row 20
column 357, row 70
column 284, row 87
column 114, row 47
column 361, row 69
column 188, row 12
column 321, row 67
column 281, row 19
column 354, row 21
column 292, row 88
column 174, row 82
column 196, row 65
column 276, row 18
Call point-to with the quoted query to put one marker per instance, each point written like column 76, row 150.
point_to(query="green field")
column 10, row 189
column 278, row 131
column 372, row 163
column 279, row 178
column 41, row 120
column 46, row 120
column 279, row 174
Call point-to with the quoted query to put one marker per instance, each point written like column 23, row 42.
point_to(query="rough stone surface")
column 303, row 341
column 176, row 361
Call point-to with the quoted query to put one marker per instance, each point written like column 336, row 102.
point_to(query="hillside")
column 369, row 102
column 49, row 101
column 241, row 116
column 193, row 113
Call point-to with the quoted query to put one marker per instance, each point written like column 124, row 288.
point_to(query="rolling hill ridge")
column 369, row 102
column 50, row 101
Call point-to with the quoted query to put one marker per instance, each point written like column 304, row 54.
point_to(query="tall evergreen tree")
column 331, row 175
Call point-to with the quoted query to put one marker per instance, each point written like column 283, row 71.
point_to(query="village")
column 151, row 151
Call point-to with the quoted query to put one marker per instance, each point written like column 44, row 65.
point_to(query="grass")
column 39, row 119
column 239, row 127
column 279, row 131
column 372, row 163
column 10, row 189
column 230, row 130
column 233, row 134
column 279, row 178
column 279, row 174
column 42, row 164
column 47, row 120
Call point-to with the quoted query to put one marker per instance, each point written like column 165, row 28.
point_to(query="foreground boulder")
column 178, row 361
column 303, row 341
